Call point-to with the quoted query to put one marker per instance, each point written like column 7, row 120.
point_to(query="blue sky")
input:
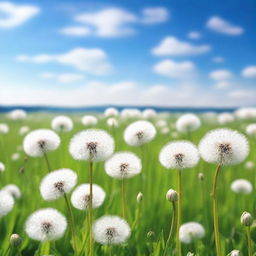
column 141, row 52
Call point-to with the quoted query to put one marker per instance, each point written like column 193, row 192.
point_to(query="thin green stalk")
column 171, row 228
column 47, row 162
column 124, row 208
column 249, row 240
column 178, row 244
column 215, row 212
column 90, row 207
column 72, row 223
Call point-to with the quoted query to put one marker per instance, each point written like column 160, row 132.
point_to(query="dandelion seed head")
column 62, row 124
column 246, row 113
column 46, row 225
column 23, row 130
column 92, row 145
column 4, row 128
column 225, row 118
column 112, row 122
column 224, row 147
column 179, row 155
column 149, row 113
column 251, row 129
column 241, row 186
column 130, row 113
column 56, row 183
column 190, row 232
column 13, row 190
column 188, row 123
column 2, row 167
column 123, row 165
column 111, row 230
column 89, row 120
column 17, row 114
column 139, row 133
column 111, row 112
column 15, row 156
column 40, row 141
column 81, row 197
column 6, row 203
column 235, row 253
column 249, row 165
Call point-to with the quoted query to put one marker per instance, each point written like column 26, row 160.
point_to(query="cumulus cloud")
column 93, row 60
column 174, row 47
column 222, row 26
column 170, row 68
column 221, row 74
column 75, row 31
column 12, row 15
column 63, row 78
column 153, row 15
column 194, row 35
column 249, row 72
column 222, row 84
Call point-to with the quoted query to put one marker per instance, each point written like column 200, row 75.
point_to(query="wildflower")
column 17, row 114
column 251, row 129
column 13, row 190
column 6, row 203
column 188, row 123
column 4, row 128
column 190, row 232
column 226, row 118
column 172, row 195
column 111, row 112
column 62, row 124
column 89, row 120
column 241, row 186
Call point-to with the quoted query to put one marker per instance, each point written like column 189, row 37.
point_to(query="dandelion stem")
column 72, row 223
column 171, row 228
column 90, row 206
column 215, row 212
column 124, row 212
column 47, row 162
column 178, row 244
column 249, row 241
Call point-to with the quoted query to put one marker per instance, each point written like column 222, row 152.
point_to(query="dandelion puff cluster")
column 23, row 130
column 2, row 167
column 241, row 186
column 224, row 147
column 4, row 128
column 179, row 155
column 6, row 203
column 111, row 112
column 81, row 196
column 130, row 113
column 139, row 133
column 57, row 183
column 112, row 122
column 225, row 118
column 46, row 225
column 246, row 113
column 17, row 114
column 111, row 230
column 188, row 123
column 62, row 124
column 251, row 129
column 92, row 145
column 89, row 120
column 13, row 190
column 123, row 165
column 40, row 141
column 149, row 113
column 190, row 232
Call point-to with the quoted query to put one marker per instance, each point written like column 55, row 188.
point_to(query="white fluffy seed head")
column 190, row 232
column 92, row 145
column 224, row 147
column 225, row 118
column 6, row 203
column 123, row 165
column 161, row 123
column 149, row 113
column 4, row 128
column 23, row 130
column 139, row 133
column 179, row 155
column 111, row 230
column 15, row 156
column 188, row 123
column 46, row 225
column 112, row 122
column 13, row 190
column 235, row 253
column 130, row 113
column 2, row 167
column 249, row 165
column 89, row 120
column 81, row 197
column 241, row 186
column 251, row 129
column 111, row 112
column 246, row 113
column 62, row 124
column 57, row 183
column 40, row 141
column 17, row 114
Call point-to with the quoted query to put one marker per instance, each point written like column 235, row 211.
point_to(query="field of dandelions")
column 160, row 183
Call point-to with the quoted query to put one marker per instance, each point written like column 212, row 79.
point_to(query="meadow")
column 150, row 218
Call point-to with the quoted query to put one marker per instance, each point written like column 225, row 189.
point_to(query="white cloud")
column 173, row 46
column 63, row 78
column 174, row 69
column 249, row 72
column 221, row 75
column 246, row 95
column 194, row 35
column 222, row 85
column 152, row 15
column 75, row 31
column 93, row 61
column 218, row 59
column 12, row 15
column 222, row 26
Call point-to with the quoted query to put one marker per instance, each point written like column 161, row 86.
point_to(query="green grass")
column 156, row 210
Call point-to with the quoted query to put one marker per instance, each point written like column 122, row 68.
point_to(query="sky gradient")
column 163, row 53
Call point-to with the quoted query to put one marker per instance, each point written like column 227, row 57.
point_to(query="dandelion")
column 130, row 113
column 149, row 113
column 247, row 220
column 23, row 130
column 222, row 147
column 241, row 186
column 251, row 129
column 249, row 165
column 13, row 190
column 179, row 155
column 62, row 124
column 15, row 240
column 161, row 123
column 111, row 230
column 39, row 142
column 111, row 112
column 226, row 118
column 234, row 253
column 112, row 122
column 6, row 203
column 15, row 156
column 123, row 165
column 89, row 120
column 190, row 232
column 246, row 113
column 17, row 114
column 2, row 167
column 165, row 130
column 188, row 123
column 139, row 133
column 4, row 128
column 81, row 198
column 46, row 225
